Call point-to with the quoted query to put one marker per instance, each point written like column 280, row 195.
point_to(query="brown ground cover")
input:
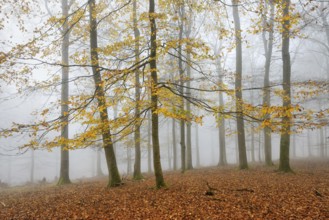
column 207, row 193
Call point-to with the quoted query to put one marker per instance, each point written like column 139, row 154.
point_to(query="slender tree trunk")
column 114, row 177
column 197, row 145
column 252, row 131
column 154, row 99
column 252, row 144
column 128, row 160
column 188, row 94
column 137, row 134
column 32, row 166
column 99, row 162
column 115, row 116
column 188, row 124
column 322, row 142
column 268, row 46
column 294, row 146
column 169, row 147
column 286, row 121
column 309, row 143
column 259, row 147
column 174, row 143
column 221, row 127
column 9, row 169
column 149, row 145
column 243, row 163
column 93, row 169
column 236, row 149
column 181, row 81
column 325, row 22
column 325, row 142
column 64, row 170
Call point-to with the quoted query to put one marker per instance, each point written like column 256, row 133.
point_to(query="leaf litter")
column 205, row 193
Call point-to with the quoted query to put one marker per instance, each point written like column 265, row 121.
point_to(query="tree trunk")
column 9, row 169
column 174, row 143
column 252, row 132
column 149, row 145
column 325, row 21
column 137, row 134
column 114, row 177
column 309, row 144
column 252, row 144
column 188, row 124
column 64, row 170
column 197, row 145
column 188, row 94
column 154, row 99
column 32, row 166
column 293, row 136
column 243, row 163
column 322, row 142
column 99, row 162
column 221, row 127
column 268, row 47
column 169, row 146
column 259, row 147
column 325, row 142
column 128, row 160
column 284, row 164
column 181, row 82
column 115, row 116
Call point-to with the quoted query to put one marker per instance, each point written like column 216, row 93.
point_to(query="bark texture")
column 181, row 83
column 268, row 26
column 154, row 99
column 189, row 162
column 114, row 176
column 243, row 163
column 137, row 134
column 221, row 128
column 286, row 121
column 64, row 177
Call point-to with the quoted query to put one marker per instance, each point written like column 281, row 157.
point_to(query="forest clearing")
column 257, row 193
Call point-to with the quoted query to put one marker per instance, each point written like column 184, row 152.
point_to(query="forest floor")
column 257, row 193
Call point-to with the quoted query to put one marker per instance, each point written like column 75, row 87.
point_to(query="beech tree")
column 286, row 120
column 268, row 26
column 181, row 11
column 114, row 176
column 188, row 30
column 183, row 90
column 221, row 122
column 243, row 163
column 137, row 134
column 64, row 170
column 154, row 98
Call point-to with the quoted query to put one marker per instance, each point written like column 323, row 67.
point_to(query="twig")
column 317, row 193
column 210, row 191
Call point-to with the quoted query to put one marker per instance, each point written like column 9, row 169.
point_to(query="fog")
column 24, row 96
